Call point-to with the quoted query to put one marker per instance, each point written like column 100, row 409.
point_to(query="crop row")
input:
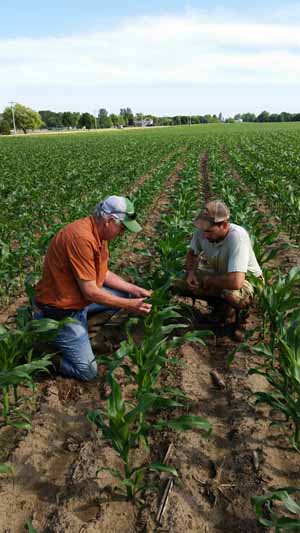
column 49, row 182
column 126, row 424
column 270, row 166
column 279, row 349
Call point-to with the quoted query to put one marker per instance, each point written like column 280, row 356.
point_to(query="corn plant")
column 6, row 469
column 30, row 528
column 18, row 363
column 124, row 427
column 149, row 356
column 288, row 519
column 277, row 300
column 282, row 372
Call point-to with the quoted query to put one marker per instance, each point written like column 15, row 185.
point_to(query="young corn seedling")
column 18, row 364
column 149, row 356
column 6, row 469
column 289, row 517
column 122, row 425
column 277, row 300
column 282, row 372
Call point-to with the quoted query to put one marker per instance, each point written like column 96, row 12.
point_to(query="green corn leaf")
column 260, row 503
column 185, row 422
column 20, row 425
column 161, row 467
column 116, row 405
column 6, row 469
column 30, row 527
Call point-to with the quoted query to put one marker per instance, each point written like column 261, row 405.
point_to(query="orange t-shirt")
column 77, row 251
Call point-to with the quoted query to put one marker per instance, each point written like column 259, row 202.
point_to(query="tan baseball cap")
column 212, row 213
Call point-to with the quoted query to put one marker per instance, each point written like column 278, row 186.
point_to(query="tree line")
column 25, row 119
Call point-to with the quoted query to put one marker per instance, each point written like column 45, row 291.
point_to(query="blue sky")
column 163, row 57
column 33, row 18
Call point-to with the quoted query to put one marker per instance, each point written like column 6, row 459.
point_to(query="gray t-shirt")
column 232, row 254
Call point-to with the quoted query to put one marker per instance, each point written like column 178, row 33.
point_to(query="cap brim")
column 132, row 225
column 201, row 223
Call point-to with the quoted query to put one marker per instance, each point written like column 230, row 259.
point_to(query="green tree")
column 274, row 117
column 104, row 120
column 203, row 119
column 69, row 119
column 248, row 117
column 285, row 117
column 51, row 119
column 114, row 119
column 127, row 115
column 4, row 128
column 86, row 120
column 139, row 117
column 25, row 118
column 176, row 121
column 263, row 117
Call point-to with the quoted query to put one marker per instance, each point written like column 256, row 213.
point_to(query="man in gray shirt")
column 219, row 259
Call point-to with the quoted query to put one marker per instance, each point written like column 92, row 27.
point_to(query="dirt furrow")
column 216, row 473
column 142, row 179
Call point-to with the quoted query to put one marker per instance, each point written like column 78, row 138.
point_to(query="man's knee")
column 88, row 372
column 235, row 299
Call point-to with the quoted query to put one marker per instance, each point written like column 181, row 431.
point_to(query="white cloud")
column 161, row 49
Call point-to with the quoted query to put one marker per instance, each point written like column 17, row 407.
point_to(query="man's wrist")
column 132, row 289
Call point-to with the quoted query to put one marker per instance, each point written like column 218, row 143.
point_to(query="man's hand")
column 192, row 280
column 139, row 292
column 137, row 305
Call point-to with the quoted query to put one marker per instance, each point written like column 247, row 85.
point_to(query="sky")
column 159, row 57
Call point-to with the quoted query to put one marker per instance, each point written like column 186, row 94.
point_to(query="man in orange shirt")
column 76, row 281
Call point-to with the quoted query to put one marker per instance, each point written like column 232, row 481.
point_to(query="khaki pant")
column 242, row 296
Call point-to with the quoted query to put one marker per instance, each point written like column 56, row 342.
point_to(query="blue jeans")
column 78, row 360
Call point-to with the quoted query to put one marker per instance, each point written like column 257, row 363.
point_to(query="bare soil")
column 56, row 484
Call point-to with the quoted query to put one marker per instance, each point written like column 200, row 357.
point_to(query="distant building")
column 238, row 120
column 143, row 123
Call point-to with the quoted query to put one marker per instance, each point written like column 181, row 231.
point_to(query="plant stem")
column 16, row 397
column 128, row 476
column 5, row 403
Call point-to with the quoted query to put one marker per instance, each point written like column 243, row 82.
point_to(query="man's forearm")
column 230, row 281
column 103, row 297
column 114, row 281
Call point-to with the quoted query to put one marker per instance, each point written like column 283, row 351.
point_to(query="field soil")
column 57, row 485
